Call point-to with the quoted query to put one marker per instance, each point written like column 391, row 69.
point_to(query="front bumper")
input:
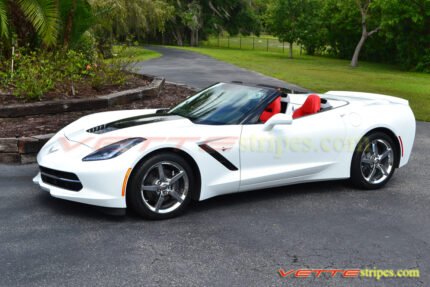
column 85, row 195
column 102, row 181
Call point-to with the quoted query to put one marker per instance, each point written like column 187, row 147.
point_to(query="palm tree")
column 3, row 19
column 43, row 16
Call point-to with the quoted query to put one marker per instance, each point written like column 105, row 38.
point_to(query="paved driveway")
column 233, row 240
column 201, row 71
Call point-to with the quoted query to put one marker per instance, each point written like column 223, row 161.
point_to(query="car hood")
column 101, row 129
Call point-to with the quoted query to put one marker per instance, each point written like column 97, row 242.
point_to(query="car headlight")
column 113, row 150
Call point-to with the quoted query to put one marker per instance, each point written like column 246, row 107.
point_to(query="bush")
column 114, row 72
column 424, row 64
column 4, row 74
column 87, row 46
column 38, row 72
column 33, row 77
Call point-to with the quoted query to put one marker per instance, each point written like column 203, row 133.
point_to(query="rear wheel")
column 373, row 161
column 161, row 187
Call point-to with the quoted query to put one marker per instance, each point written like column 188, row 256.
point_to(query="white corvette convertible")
column 228, row 138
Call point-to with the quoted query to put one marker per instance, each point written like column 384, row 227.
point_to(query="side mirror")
column 278, row 119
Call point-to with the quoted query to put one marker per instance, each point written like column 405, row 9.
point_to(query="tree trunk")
column 354, row 61
column 69, row 25
column 192, row 38
column 364, row 7
column 178, row 36
column 25, row 32
column 291, row 50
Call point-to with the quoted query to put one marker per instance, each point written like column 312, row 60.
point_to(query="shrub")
column 4, row 74
column 115, row 72
column 37, row 72
column 33, row 76
column 424, row 64
column 87, row 46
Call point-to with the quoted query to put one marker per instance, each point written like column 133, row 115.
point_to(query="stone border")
column 194, row 89
column 99, row 102
column 24, row 149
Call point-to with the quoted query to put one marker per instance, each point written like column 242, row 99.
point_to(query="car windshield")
column 221, row 104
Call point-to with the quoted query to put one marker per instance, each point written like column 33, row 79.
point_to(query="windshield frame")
column 253, row 115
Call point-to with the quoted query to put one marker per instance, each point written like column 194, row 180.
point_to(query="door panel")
column 290, row 153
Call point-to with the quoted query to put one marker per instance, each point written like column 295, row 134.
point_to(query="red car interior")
column 311, row 106
column 272, row 109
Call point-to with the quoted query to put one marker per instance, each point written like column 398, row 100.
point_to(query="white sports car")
column 228, row 138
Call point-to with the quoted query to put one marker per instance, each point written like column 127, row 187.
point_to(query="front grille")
column 66, row 180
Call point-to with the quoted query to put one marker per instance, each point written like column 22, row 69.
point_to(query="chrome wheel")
column 377, row 161
column 164, row 187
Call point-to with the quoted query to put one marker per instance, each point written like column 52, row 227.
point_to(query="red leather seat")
column 272, row 109
column 311, row 106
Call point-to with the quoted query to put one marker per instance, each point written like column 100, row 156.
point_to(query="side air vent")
column 219, row 157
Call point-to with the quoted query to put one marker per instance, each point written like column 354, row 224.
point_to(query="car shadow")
column 83, row 211
column 270, row 194
column 74, row 209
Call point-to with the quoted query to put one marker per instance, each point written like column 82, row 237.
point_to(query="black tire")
column 360, row 165
column 141, row 201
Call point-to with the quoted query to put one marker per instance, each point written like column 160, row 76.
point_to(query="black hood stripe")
column 132, row 122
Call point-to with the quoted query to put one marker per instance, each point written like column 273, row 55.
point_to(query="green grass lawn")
column 321, row 74
column 133, row 54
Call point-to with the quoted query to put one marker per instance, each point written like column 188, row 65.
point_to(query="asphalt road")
column 233, row 240
column 200, row 71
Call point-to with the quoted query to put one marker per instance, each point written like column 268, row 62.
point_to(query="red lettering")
column 303, row 273
column 351, row 273
column 284, row 274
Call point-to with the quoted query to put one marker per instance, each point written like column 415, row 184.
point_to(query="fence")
column 248, row 43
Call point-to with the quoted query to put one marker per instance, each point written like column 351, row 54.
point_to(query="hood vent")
column 101, row 129
column 97, row 130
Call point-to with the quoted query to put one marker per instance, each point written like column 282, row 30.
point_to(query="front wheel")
column 161, row 187
column 373, row 161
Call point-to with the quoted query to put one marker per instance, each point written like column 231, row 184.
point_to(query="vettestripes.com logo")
column 349, row 273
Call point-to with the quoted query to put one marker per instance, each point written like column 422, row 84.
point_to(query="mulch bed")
column 170, row 96
column 83, row 89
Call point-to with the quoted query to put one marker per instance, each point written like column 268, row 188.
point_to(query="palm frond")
column 4, row 30
column 44, row 16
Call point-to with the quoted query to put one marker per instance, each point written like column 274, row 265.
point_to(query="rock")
column 8, row 145
column 10, row 158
